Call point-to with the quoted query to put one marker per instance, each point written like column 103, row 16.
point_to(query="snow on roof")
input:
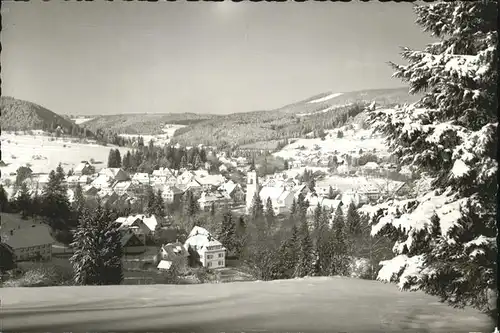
column 270, row 192
column 210, row 179
column 110, row 172
column 164, row 264
column 72, row 179
column 284, row 195
column 371, row 165
column 228, row 186
column 28, row 236
column 198, row 231
column 122, row 185
column 163, row 172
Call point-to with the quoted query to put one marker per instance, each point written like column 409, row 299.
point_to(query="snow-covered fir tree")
column 97, row 259
column 446, row 237
column 305, row 264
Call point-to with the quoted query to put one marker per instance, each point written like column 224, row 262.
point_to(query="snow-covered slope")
column 328, row 304
column 354, row 138
column 326, row 98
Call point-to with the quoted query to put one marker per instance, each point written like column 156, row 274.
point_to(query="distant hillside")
column 320, row 112
column 19, row 115
column 143, row 123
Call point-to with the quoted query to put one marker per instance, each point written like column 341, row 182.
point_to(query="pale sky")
column 134, row 57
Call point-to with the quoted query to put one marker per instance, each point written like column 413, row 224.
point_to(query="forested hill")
column 20, row 115
column 145, row 123
column 320, row 112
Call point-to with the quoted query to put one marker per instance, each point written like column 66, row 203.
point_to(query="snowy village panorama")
column 249, row 166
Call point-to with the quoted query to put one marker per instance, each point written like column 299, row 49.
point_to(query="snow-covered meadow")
column 81, row 120
column 352, row 141
column 43, row 155
column 158, row 139
column 323, row 304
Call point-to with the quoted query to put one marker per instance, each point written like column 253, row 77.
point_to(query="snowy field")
column 302, row 305
column 351, row 143
column 44, row 155
column 79, row 121
column 159, row 139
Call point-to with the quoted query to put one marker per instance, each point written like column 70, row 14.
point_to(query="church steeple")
column 252, row 187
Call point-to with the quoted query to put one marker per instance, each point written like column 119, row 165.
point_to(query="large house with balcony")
column 30, row 241
column 211, row 253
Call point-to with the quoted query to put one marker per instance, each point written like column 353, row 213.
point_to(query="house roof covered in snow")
column 24, row 233
column 200, row 239
column 164, row 264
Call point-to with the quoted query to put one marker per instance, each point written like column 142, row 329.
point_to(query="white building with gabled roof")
column 212, row 254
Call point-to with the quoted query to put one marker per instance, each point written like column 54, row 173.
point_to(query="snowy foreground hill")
column 327, row 304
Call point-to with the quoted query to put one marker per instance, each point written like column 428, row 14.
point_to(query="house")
column 163, row 172
column 233, row 190
column 116, row 174
column 159, row 180
column 7, row 253
column 28, row 240
column 217, row 199
column 131, row 242
column 185, row 178
column 140, row 224
column 90, row 191
column 210, row 182
column 281, row 198
column 211, row 253
column 84, row 168
column 102, row 181
column 110, row 198
column 170, row 250
column 142, row 177
column 192, row 186
column 122, row 187
column 170, row 193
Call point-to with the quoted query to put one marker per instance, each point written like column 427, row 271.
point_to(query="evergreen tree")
column 4, row 200
column 23, row 201
column 79, row 202
column 159, row 205
column 97, row 259
column 126, row 163
column 353, row 221
column 212, row 209
column 22, row 174
column 331, row 193
column 341, row 255
column 305, row 264
column 118, row 159
column 257, row 209
column 270, row 218
column 86, row 256
column 227, row 232
column 150, row 200
column 61, row 176
column 293, row 209
column 183, row 163
column 55, row 202
column 317, row 216
column 111, row 272
column 36, row 203
column 452, row 140
column 112, row 159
